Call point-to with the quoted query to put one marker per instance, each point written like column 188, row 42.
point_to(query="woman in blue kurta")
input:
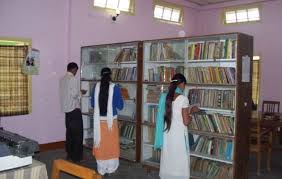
column 106, row 100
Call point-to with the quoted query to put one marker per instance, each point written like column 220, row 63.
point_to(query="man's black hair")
column 71, row 66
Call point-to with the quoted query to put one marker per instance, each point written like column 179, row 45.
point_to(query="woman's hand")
column 194, row 108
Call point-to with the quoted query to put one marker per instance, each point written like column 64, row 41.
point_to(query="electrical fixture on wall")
column 114, row 17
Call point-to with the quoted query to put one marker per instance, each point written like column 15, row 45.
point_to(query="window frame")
column 27, row 42
column 242, row 7
column 172, row 6
column 113, row 11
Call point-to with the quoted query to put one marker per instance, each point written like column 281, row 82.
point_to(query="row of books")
column 128, row 131
column 153, row 93
column 152, row 114
column 212, row 123
column 213, row 98
column 126, row 54
column 210, row 75
column 156, row 156
column 149, row 135
column 220, row 148
column 203, row 168
column 163, row 51
column 220, row 49
column 164, row 73
column 126, row 74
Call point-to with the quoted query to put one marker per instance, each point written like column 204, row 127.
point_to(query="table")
column 273, row 124
column 37, row 170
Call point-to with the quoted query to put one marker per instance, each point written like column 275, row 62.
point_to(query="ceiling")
column 208, row 2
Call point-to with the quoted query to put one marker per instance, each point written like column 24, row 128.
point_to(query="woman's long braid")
column 168, row 105
column 104, row 92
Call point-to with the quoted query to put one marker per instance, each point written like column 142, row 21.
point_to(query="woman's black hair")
column 175, row 81
column 104, row 90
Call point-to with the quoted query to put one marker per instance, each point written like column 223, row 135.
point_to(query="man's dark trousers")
column 74, row 135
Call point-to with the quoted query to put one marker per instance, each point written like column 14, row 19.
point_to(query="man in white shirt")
column 70, row 104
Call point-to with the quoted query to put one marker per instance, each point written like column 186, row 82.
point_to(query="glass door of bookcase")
column 162, row 59
column 122, row 60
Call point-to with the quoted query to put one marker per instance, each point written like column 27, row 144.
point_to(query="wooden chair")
column 73, row 169
column 270, row 109
column 260, row 141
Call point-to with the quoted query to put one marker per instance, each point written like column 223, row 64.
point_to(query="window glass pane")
column 100, row 3
column 158, row 12
column 124, row 5
column 113, row 4
column 167, row 13
column 242, row 15
column 253, row 14
column 230, row 17
column 175, row 15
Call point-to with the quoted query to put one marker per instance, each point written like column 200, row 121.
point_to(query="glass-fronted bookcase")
column 162, row 59
column 124, row 59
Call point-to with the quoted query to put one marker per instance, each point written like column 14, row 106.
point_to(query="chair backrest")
column 269, row 108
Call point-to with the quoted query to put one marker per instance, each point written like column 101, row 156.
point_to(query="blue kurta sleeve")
column 117, row 98
column 93, row 97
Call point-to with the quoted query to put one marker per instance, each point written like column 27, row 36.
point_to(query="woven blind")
column 13, row 83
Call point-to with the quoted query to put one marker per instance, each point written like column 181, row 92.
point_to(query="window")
column 168, row 12
column 241, row 14
column 14, row 86
column 256, row 80
column 122, row 5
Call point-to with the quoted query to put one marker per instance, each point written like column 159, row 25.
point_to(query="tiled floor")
column 128, row 170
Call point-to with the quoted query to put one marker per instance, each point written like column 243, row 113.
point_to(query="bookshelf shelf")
column 212, row 85
column 165, row 61
column 155, row 82
column 126, row 119
column 129, row 62
column 211, row 60
column 148, row 144
column 125, row 61
column 121, row 81
column 147, row 123
column 152, row 104
column 223, row 111
column 213, row 66
column 115, row 81
column 211, row 134
column 209, row 157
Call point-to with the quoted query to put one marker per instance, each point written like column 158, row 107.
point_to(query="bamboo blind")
column 13, row 83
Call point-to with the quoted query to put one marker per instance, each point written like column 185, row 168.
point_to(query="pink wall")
column 45, row 23
column 58, row 29
column 267, row 41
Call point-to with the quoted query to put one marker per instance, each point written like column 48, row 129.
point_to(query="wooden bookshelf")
column 220, row 61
